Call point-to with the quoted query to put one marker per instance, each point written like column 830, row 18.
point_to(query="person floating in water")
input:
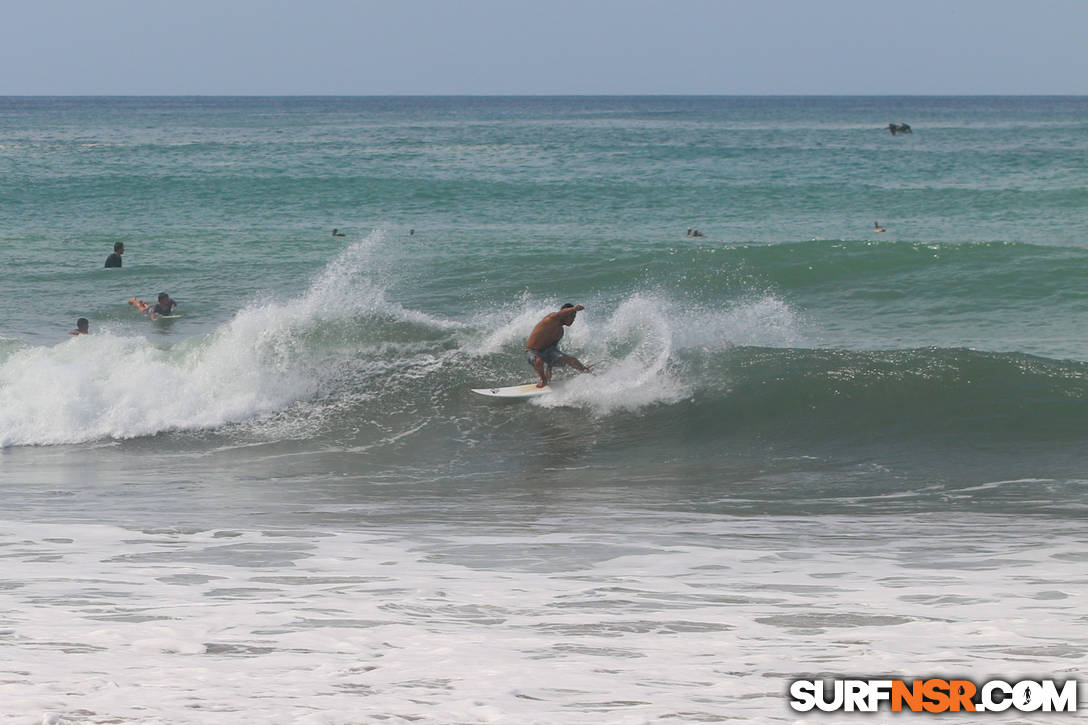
column 543, row 344
column 694, row 232
column 164, row 306
column 878, row 228
column 82, row 327
column 114, row 260
column 338, row 233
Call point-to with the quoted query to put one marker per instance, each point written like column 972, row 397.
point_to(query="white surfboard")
column 515, row 392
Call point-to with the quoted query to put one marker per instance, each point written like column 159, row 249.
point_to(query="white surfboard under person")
column 542, row 347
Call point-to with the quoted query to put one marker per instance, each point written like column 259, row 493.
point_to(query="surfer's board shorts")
column 550, row 355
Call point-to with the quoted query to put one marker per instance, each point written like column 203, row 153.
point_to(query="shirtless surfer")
column 542, row 347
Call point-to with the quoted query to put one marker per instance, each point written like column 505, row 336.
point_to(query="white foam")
column 759, row 321
column 636, row 345
column 631, row 351
column 262, row 361
column 111, row 386
column 597, row 617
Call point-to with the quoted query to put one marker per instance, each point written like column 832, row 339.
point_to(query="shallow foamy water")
column 587, row 618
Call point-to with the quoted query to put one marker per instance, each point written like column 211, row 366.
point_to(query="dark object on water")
column 901, row 128
column 114, row 260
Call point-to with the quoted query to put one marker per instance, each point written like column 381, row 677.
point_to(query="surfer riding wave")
column 542, row 347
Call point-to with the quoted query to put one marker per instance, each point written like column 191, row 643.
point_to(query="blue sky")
column 361, row 47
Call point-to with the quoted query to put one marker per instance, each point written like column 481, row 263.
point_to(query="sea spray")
column 104, row 386
column 639, row 346
column 260, row 361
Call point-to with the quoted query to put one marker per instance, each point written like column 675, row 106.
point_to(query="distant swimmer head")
column 119, row 247
column 163, row 296
column 82, row 327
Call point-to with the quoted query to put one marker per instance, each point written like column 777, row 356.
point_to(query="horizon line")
column 543, row 95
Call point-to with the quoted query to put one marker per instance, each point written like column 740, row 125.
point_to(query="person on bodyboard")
column 164, row 306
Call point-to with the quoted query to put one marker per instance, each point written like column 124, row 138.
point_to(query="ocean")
column 809, row 449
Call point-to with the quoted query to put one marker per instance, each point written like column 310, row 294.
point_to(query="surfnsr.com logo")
column 933, row 695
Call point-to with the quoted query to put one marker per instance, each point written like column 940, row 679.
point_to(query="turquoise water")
column 789, row 374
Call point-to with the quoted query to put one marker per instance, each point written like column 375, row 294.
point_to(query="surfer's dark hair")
column 566, row 306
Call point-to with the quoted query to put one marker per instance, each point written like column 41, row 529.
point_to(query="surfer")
column 338, row 233
column 543, row 344
column 165, row 305
column 82, row 327
column 114, row 260
column 878, row 228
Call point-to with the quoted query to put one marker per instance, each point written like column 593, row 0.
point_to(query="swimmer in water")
column 82, row 327
column 164, row 306
column 114, row 260
column 877, row 227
